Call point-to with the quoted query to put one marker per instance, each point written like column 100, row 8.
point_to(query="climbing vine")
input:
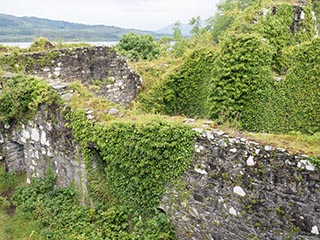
column 135, row 161
column 21, row 96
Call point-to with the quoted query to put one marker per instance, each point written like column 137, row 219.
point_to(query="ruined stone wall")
column 99, row 66
column 44, row 145
column 239, row 189
column 234, row 189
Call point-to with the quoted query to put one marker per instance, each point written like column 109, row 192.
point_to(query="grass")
column 153, row 72
column 294, row 142
column 14, row 227
column 17, row 228
column 83, row 98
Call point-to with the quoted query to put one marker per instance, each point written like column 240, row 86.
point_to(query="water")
column 28, row 44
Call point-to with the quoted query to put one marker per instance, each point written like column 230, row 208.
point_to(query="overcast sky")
column 140, row 14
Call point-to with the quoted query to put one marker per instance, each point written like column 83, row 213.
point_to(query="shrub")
column 21, row 97
column 138, row 47
column 41, row 45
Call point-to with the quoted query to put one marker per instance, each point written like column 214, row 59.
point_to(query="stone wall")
column 41, row 146
column 239, row 189
column 234, row 189
column 98, row 66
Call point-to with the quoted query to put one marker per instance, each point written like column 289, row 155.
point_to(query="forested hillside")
column 26, row 29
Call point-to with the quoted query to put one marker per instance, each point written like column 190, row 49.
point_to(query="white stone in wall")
column 28, row 181
column 201, row 171
column 268, row 148
column 35, row 136
column 49, row 152
column 250, row 161
column 232, row 211
column 199, row 130
column 43, row 138
column 238, row 190
column 43, row 151
column 208, row 134
column 25, row 133
column 34, row 162
column 219, row 133
column 233, row 150
column 49, row 126
column 199, row 148
column 36, row 154
column 305, row 164
column 315, row 230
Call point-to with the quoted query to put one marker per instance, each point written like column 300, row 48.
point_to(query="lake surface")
column 28, row 44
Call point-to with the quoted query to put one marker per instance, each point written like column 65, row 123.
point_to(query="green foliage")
column 139, row 158
column 196, row 26
column 135, row 162
column 241, row 75
column 138, row 47
column 185, row 90
column 180, row 43
column 8, row 180
column 275, row 27
column 315, row 161
column 59, row 216
column 227, row 13
column 21, row 97
column 301, row 88
column 41, row 45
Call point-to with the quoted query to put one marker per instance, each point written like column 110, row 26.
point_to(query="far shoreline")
column 28, row 44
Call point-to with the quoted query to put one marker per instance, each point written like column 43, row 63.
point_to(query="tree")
column 179, row 46
column 136, row 47
column 226, row 14
column 196, row 23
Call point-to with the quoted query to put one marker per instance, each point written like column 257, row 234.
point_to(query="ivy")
column 242, row 72
column 301, row 88
column 134, row 162
column 21, row 96
column 185, row 90
column 139, row 158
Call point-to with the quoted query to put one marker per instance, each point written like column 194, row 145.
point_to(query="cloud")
column 142, row 14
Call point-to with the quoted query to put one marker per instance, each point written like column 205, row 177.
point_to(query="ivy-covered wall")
column 185, row 90
column 242, row 75
column 125, row 169
column 301, row 88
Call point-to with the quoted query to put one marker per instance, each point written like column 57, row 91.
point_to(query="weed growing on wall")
column 21, row 96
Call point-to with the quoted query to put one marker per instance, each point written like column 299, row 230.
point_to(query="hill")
column 26, row 29
column 185, row 29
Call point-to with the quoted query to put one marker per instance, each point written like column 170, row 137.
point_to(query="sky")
column 138, row 14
